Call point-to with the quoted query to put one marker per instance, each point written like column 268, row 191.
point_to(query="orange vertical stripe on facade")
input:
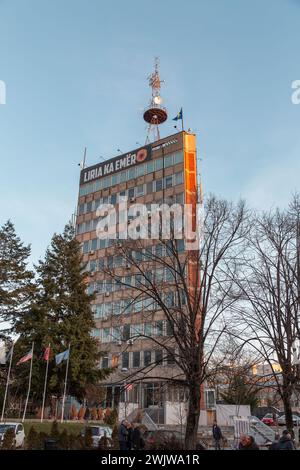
column 190, row 170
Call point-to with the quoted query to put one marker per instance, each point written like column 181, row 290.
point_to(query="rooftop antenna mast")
column 155, row 114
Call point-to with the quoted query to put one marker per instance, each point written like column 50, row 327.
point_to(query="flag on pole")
column 25, row 358
column 46, row 354
column 178, row 116
column 64, row 356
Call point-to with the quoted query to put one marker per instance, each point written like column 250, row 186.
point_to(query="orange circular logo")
column 141, row 155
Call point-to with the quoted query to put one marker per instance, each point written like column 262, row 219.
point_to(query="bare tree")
column 268, row 313
column 191, row 290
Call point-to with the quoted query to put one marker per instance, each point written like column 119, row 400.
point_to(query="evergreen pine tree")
column 16, row 281
column 61, row 315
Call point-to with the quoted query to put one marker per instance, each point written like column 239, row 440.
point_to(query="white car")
column 97, row 433
column 281, row 420
column 18, row 431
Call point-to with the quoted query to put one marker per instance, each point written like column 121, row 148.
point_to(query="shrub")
column 32, row 440
column 8, row 442
column 63, row 441
column 115, row 437
column 111, row 417
column 74, row 442
column 88, row 439
column 54, row 430
column 105, row 443
column 42, row 436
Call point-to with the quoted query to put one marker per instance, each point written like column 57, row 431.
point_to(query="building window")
column 116, row 334
column 140, row 170
column 126, row 332
column 150, row 167
column 179, row 178
column 89, row 206
column 147, row 358
column 158, row 185
column 180, row 245
column 113, row 199
column 115, row 179
column 169, row 328
column 150, row 187
column 136, row 359
column 168, row 161
column 159, row 328
column 86, row 246
column 96, row 333
column 179, row 198
column 140, row 190
column 158, row 164
column 169, row 181
column 170, row 356
column 125, row 360
column 178, row 157
column 148, row 329
column 130, row 193
column 81, row 209
column 123, row 177
column 136, row 330
column 158, row 356
column 105, row 362
column 131, row 173
column 94, row 244
column 106, row 335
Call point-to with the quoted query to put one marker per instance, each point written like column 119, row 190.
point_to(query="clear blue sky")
column 76, row 70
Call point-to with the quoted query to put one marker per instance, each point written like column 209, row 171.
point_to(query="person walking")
column 247, row 443
column 123, row 435
column 217, row 435
column 286, row 442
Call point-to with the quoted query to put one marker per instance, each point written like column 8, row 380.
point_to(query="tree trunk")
column 193, row 414
column 286, row 398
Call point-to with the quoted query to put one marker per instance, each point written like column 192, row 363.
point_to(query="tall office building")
column 164, row 171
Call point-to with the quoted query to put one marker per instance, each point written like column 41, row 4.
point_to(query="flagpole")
column 29, row 384
column 182, row 119
column 45, row 384
column 7, row 382
column 65, row 387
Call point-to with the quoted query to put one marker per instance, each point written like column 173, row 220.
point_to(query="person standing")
column 285, row 442
column 247, row 443
column 217, row 435
column 137, row 440
column 129, row 427
column 123, row 435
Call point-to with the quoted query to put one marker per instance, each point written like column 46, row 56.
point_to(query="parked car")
column 18, row 431
column 268, row 419
column 165, row 439
column 97, row 433
column 282, row 422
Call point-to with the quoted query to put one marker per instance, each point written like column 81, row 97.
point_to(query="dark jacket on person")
column 137, row 441
column 129, row 438
column 123, row 433
column 285, row 443
column 251, row 446
column 217, row 433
